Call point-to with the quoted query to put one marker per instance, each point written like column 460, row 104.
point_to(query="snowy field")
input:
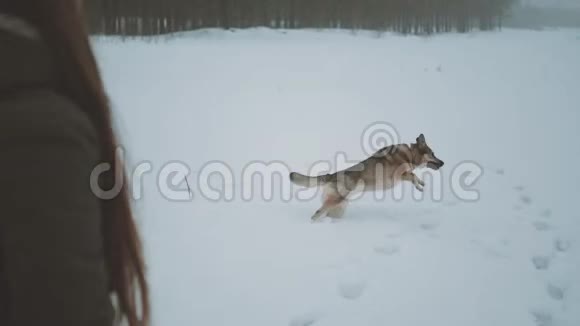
column 507, row 101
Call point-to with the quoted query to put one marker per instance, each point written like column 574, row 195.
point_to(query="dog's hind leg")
column 338, row 210
column 332, row 200
column 319, row 213
column 328, row 205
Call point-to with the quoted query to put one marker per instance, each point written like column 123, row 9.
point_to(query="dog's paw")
column 419, row 184
column 316, row 218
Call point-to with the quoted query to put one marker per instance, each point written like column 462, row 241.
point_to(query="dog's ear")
column 421, row 139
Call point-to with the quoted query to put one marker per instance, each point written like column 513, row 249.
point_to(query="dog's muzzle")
column 435, row 165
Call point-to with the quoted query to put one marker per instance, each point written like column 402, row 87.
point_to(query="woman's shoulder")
column 43, row 115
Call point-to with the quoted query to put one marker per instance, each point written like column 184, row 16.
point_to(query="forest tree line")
column 156, row 17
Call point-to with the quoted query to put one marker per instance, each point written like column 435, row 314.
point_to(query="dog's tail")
column 307, row 181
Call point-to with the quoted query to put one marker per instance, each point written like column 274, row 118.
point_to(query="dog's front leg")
column 413, row 178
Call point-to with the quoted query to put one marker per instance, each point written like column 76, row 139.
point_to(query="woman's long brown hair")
column 61, row 26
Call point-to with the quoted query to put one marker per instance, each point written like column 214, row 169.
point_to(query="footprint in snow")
column 351, row 290
column 555, row 292
column 306, row 319
column 546, row 213
column 429, row 226
column 387, row 250
column 541, row 225
column 541, row 262
column 542, row 318
column 526, row 199
column 561, row 245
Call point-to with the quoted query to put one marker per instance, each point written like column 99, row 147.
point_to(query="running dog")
column 382, row 171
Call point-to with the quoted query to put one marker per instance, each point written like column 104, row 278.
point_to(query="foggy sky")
column 554, row 3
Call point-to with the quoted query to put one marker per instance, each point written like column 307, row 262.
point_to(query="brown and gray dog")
column 382, row 171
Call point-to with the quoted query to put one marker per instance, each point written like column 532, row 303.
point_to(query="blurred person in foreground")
column 66, row 256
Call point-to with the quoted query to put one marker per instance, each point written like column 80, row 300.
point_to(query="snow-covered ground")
column 507, row 101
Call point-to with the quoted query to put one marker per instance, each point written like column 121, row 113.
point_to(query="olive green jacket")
column 52, row 266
